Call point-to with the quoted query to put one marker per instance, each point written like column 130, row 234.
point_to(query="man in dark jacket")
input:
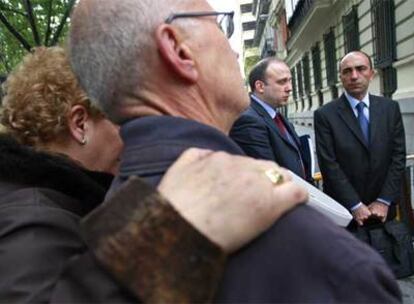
column 173, row 82
column 262, row 131
column 360, row 144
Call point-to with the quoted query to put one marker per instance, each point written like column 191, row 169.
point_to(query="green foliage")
column 250, row 62
column 25, row 24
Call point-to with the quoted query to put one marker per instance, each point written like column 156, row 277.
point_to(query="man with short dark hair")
column 165, row 70
column 262, row 131
column 360, row 144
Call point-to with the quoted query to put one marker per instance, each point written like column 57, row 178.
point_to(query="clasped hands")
column 375, row 210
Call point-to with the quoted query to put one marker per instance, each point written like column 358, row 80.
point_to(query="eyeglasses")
column 224, row 19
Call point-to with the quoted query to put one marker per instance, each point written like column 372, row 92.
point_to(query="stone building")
column 312, row 35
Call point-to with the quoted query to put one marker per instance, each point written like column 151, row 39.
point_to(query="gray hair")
column 111, row 45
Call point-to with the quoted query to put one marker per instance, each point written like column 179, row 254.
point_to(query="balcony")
column 261, row 10
column 308, row 16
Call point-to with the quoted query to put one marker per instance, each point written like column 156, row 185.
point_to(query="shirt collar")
column 272, row 112
column 353, row 101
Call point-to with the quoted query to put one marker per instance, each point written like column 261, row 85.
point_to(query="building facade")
column 312, row 36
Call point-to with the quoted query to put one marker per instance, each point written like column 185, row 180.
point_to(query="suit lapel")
column 347, row 115
column 269, row 121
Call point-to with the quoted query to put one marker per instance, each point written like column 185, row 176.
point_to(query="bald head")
column 356, row 53
column 111, row 45
column 356, row 73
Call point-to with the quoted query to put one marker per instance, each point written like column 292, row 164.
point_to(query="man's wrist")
column 384, row 201
column 356, row 206
column 148, row 247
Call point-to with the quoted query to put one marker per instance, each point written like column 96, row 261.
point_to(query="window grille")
column 299, row 79
column 316, row 64
column 351, row 30
column 299, row 76
column 383, row 32
column 294, row 88
column 246, row 8
column 385, row 46
column 330, row 57
column 306, row 74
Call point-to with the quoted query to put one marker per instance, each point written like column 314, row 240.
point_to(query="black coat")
column 42, row 198
column 304, row 257
column 256, row 133
column 351, row 170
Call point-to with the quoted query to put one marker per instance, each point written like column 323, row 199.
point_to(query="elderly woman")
column 56, row 164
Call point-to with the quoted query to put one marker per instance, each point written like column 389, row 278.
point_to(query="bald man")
column 360, row 145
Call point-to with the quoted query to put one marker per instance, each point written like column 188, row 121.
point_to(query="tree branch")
column 62, row 22
column 49, row 21
column 29, row 9
column 4, row 8
column 26, row 45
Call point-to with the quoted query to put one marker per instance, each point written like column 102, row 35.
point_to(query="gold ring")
column 275, row 176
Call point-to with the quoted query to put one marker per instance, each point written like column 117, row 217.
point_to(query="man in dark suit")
column 175, row 84
column 262, row 131
column 360, row 144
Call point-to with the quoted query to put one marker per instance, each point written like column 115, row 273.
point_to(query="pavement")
column 407, row 284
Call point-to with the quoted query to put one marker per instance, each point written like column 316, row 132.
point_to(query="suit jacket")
column 256, row 133
column 296, row 260
column 353, row 171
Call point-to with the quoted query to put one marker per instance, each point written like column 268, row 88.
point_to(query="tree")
column 25, row 24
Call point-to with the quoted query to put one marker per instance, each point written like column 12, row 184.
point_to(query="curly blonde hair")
column 39, row 94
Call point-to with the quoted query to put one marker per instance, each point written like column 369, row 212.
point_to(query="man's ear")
column 176, row 53
column 373, row 73
column 77, row 123
column 259, row 86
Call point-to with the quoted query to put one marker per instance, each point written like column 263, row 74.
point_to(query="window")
column 330, row 57
column 383, row 32
column 316, row 63
column 248, row 43
column 306, row 74
column 385, row 50
column 294, row 88
column 299, row 79
column 300, row 82
column 246, row 8
column 247, row 26
column 351, row 30
column 317, row 72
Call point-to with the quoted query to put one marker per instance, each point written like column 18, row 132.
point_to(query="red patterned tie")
column 280, row 125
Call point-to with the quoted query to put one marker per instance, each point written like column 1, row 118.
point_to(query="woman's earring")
column 84, row 140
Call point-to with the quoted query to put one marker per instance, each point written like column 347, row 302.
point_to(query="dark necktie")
column 285, row 133
column 280, row 125
column 363, row 121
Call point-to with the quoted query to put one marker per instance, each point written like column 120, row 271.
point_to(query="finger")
column 292, row 194
column 192, row 155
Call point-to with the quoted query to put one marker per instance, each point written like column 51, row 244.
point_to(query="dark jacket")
column 114, row 255
column 256, row 133
column 351, row 170
column 304, row 257
column 42, row 198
